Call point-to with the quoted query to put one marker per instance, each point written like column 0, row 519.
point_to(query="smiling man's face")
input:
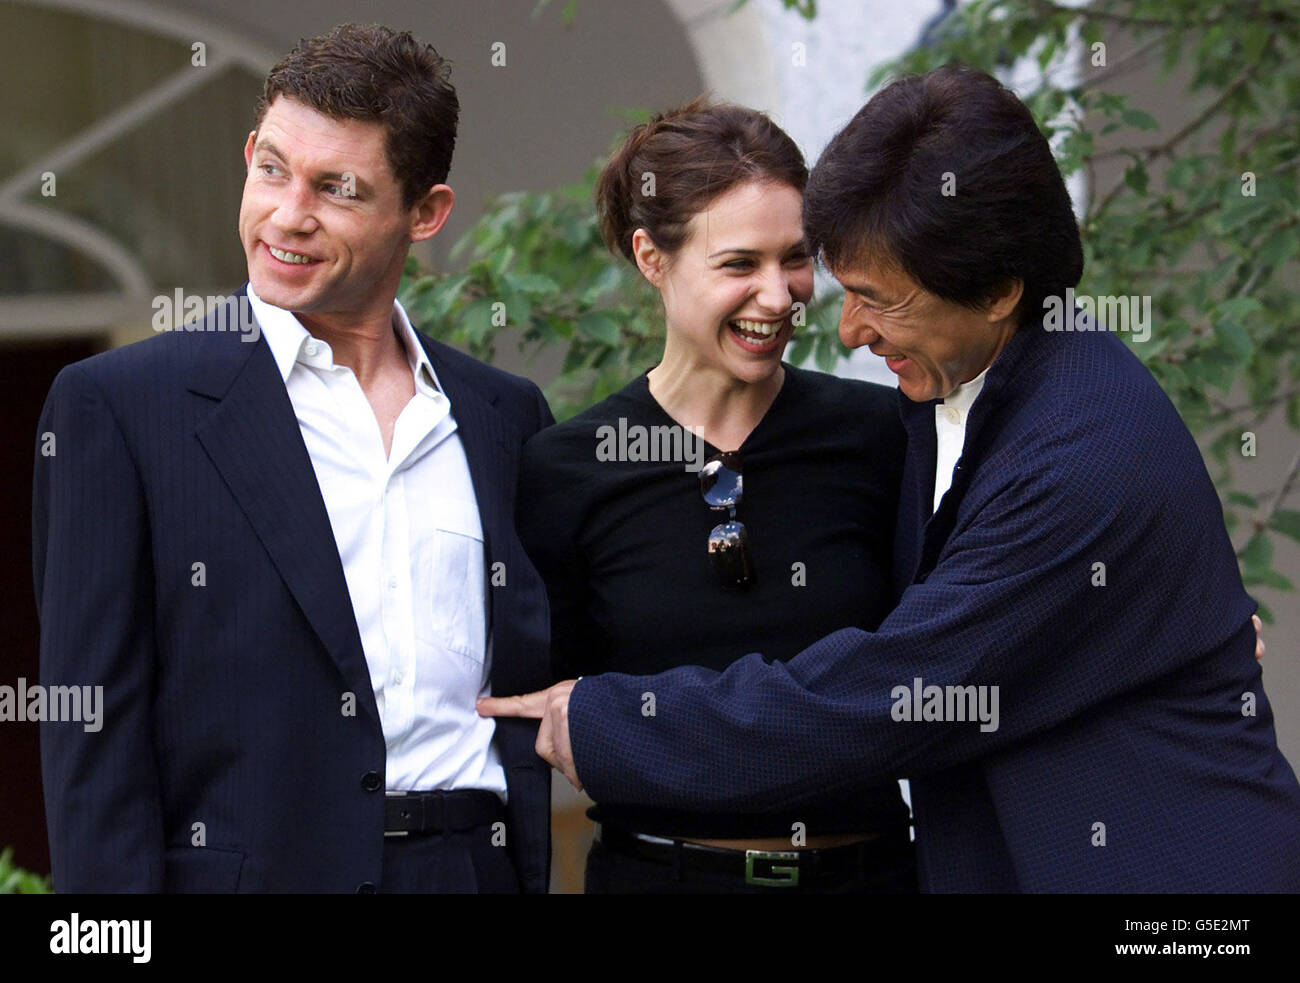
column 931, row 344
column 321, row 219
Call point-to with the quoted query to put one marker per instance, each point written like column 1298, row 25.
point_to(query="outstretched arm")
column 1011, row 614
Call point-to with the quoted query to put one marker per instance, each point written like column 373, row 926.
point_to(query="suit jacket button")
column 365, row 887
column 371, row 781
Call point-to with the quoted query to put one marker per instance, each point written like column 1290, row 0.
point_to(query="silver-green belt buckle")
column 788, row 876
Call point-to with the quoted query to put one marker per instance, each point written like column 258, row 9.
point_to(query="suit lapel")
column 917, row 493
column 986, row 418
column 940, row 525
column 253, row 440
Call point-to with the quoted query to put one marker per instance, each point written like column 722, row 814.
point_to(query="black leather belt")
column 766, row 868
column 421, row 813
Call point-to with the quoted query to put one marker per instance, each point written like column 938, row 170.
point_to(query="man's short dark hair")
column 373, row 73
column 878, row 190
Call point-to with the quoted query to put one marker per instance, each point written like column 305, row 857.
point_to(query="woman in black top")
column 632, row 535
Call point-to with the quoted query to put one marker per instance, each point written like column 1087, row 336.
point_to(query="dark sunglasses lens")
column 721, row 482
column 729, row 554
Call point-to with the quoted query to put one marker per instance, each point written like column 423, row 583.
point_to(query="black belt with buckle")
column 765, row 868
column 421, row 813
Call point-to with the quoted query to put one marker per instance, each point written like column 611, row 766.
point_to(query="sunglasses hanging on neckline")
column 722, row 484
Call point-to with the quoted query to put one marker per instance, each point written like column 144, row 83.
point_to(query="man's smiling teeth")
column 286, row 257
column 764, row 328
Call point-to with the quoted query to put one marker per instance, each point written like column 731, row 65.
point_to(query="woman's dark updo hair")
column 694, row 154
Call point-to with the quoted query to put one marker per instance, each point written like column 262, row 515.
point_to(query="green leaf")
column 1287, row 522
column 499, row 260
column 1184, row 170
column 476, row 321
column 1044, row 56
column 1257, row 557
column 1268, row 578
column 1138, row 118
column 1235, row 339
column 827, row 353
column 1239, row 307
column 531, row 283
column 1279, row 248
column 15, row 880
column 443, row 297
column 798, row 352
column 1172, row 378
column 1109, row 103
column 518, row 309
column 1135, row 176
column 599, row 326
column 1213, row 368
column 606, row 280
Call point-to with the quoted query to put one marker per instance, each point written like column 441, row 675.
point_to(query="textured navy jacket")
column 1134, row 747
column 223, row 704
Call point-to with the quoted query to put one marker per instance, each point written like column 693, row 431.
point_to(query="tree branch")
column 1250, row 12
column 1195, row 124
column 1264, row 519
column 1225, row 412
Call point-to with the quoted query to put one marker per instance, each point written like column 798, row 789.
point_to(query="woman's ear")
column 650, row 259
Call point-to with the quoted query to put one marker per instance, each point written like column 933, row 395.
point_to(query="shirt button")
column 397, row 679
column 370, row 781
column 313, row 348
column 392, row 583
column 952, row 414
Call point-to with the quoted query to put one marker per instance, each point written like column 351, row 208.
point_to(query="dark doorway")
column 26, row 371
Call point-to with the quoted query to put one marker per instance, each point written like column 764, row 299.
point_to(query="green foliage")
column 15, row 880
column 536, row 271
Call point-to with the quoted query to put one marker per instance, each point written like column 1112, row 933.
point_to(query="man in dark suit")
column 292, row 564
column 1067, row 678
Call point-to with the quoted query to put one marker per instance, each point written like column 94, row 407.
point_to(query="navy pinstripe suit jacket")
column 1135, row 748
column 223, row 703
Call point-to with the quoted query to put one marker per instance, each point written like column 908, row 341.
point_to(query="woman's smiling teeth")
column 764, row 328
column 287, row 257
column 756, row 334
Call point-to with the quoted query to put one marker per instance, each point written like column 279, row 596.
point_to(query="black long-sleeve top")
column 622, row 546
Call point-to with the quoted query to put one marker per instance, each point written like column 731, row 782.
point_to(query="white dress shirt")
column 408, row 532
column 950, row 429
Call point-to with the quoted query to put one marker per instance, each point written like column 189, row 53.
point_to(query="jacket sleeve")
column 94, row 595
column 1012, row 603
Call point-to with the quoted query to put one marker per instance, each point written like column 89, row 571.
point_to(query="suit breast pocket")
column 451, row 603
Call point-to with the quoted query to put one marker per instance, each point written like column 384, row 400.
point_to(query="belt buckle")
column 395, row 833
column 790, row 876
